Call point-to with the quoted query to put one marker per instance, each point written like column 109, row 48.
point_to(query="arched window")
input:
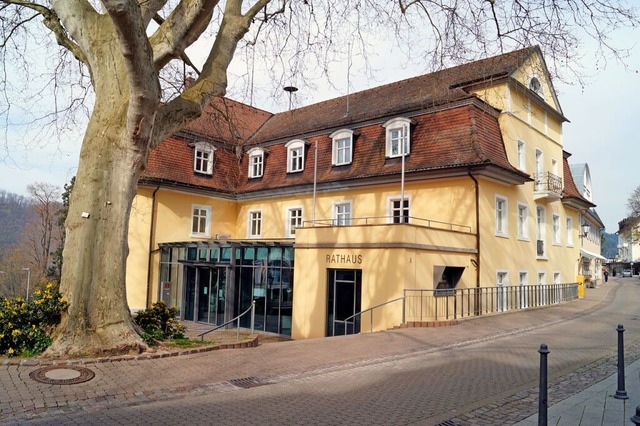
column 342, row 151
column 535, row 85
column 398, row 137
column 295, row 155
column 203, row 158
column 256, row 162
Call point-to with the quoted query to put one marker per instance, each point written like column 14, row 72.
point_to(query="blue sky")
column 603, row 129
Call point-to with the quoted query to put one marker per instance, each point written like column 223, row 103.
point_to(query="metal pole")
column 542, row 400
column 636, row 419
column 253, row 315
column 621, row 393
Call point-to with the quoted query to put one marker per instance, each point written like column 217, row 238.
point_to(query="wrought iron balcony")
column 547, row 185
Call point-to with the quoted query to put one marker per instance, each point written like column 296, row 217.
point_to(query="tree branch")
column 184, row 25
column 144, row 89
column 149, row 9
column 52, row 22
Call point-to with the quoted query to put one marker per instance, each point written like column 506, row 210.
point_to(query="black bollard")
column 542, row 401
column 621, row 393
column 636, row 419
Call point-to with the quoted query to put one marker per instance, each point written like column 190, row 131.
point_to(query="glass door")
column 344, row 294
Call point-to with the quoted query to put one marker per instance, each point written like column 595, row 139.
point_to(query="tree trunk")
column 98, row 321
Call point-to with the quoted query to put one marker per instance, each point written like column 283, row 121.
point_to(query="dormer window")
column 295, row 156
column 342, row 151
column 536, row 86
column 203, row 158
column 256, row 162
column 398, row 134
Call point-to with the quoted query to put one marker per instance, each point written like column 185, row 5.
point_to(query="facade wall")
column 171, row 223
column 391, row 259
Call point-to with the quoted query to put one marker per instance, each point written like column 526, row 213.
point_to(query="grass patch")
column 186, row 343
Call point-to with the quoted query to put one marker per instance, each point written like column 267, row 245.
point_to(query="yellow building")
column 441, row 183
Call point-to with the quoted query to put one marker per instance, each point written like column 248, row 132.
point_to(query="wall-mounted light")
column 585, row 229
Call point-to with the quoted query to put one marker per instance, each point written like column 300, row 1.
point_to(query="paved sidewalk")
column 137, row 382
column 597, row 405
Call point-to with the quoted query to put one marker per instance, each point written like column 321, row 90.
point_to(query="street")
column 481, row 371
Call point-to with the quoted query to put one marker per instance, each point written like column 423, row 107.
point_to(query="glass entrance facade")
column 217, row 282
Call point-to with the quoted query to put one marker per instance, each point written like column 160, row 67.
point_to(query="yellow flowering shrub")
column 24, row 324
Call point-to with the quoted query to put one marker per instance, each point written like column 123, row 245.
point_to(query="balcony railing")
column 548, row 183
column 388, row 220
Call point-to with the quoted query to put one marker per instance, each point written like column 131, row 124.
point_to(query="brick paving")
column 197, row 385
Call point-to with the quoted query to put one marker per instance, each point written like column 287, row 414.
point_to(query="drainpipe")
column 477, row 199
column 315, row 179
column 151, row 228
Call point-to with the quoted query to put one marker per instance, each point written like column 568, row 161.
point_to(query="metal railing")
column 548, row 182
column 251, row 309
column 387, row 220
column 371, row 309
column 447, row 304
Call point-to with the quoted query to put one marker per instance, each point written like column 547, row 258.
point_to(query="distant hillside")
column 610, row 245
column 15, row 212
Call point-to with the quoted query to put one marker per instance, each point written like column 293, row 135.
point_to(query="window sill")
column 200, row 235
column 543, row 257
column 502, row 235
column 524, row 238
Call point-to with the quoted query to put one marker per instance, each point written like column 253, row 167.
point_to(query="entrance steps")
column 421, row 324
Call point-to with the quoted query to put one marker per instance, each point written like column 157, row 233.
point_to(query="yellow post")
column 580, row 286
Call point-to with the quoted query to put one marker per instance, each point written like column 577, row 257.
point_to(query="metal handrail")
column 371, row 310
column 251, row 308
column 373, row 220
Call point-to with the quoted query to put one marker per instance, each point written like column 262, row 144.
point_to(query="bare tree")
column 42, row 236
column 123, row 47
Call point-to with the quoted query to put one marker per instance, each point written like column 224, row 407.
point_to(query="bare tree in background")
column 42, row 236
column 123, row 47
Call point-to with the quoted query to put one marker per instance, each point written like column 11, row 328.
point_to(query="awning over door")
column 592, row 255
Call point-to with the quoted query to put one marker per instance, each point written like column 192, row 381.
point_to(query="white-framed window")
column 523, row 221
column 203, row 158
column 554, row 167
column 256, row 162
column 502, row 225
column 542, row 278
column 342, row 213
column 502, row 281
column 295, row 156
column 523, row 293
column 399, row 211
column 556, row 278
column 521, row 154
column 555, row 229
column 541, row 232
column 542, row 292
column 200, row 221
column 398, row 134
column 294, row 220
column 570, row 231
column 539, row 173
column 342, row 147
column 255, row 224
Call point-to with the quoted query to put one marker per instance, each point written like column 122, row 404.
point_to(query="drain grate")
column 59, row 375
column 249, row 382
column 448, row 423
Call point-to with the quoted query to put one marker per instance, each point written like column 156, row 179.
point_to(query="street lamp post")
column 28, row 279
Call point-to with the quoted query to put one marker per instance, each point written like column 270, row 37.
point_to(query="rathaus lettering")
column 343, row 258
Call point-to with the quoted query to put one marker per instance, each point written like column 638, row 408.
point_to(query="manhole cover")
column 58, row 375
column 249, row 382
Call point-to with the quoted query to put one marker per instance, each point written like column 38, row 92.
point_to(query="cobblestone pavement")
column 480, row 372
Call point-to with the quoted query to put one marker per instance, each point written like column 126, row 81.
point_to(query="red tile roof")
column 453, row 129
column 413, row 94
